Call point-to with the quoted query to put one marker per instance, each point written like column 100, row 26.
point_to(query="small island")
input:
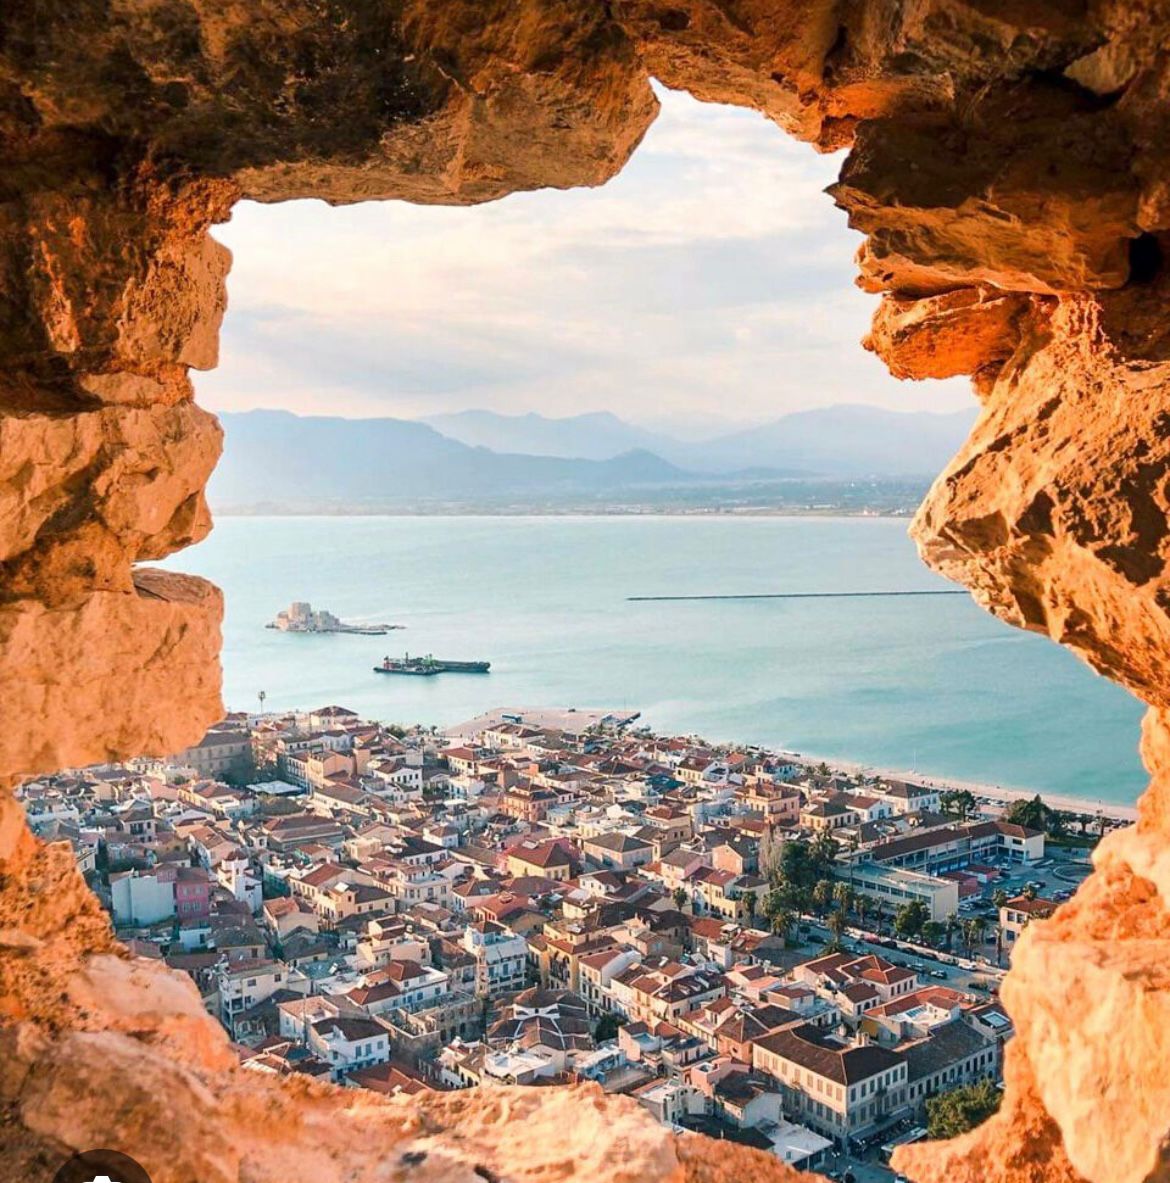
column 300, row 617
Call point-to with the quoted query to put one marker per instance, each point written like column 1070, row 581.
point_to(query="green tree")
column 796, row 864
column 1000, row 897
column 1030, row 812
column 1029, row 892
column 879, row 915
column 932, row 932
column 843, row 896
column 680, row 898
column 822, row 895
column 780, row 916
column 910, row 918
column 769, row 856
column 836, row 925
column 749, row 904
column 823, row 852
column 953, row 1113
column 607, row 1027
column 959, row 802
column 950, row 928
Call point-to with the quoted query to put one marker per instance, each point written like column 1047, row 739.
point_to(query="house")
column 663, row 992
column 245, row 984
column 777, row 804
column 678, row 866
column 549, row 858
column 286, row 914
column 843, row 1090
column 823, row 816
column 907, row 797
column 223, row 751
column 500, row 958
column 418, row 986
column 149, row 897
column 1018, row 913
column 143, row 897
column 618, row 851
column 192, row 893
column 949, row 1056
column 346, row 1044
column 596, row 972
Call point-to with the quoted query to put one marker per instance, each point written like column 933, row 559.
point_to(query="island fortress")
column 300, row 618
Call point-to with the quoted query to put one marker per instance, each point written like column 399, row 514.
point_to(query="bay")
column 932, row 683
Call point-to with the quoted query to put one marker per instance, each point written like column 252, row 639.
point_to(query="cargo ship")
column 426, row 667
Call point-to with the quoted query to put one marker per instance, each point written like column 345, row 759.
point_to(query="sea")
column 931, row 684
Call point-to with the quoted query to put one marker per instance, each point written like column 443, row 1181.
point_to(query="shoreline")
column 1003, row 794
column 610, row 511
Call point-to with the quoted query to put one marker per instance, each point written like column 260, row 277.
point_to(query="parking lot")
column 1055, row 877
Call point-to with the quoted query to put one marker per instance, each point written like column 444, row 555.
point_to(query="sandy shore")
column 1081, row 805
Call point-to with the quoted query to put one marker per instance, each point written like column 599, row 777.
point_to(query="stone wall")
column 1008, row 168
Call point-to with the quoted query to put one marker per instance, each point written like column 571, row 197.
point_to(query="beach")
column 1005, row 795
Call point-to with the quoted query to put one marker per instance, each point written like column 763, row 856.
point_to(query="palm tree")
column 782, row 923
column 843, row 896
column 836, row 925
column 952, row 923
column 749, row 904
column 823, row 894
column 1000, row 897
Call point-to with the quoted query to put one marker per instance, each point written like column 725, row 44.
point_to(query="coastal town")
column 749, row 944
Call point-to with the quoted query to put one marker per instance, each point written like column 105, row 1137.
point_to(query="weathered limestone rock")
column 1054, row 512
column 1009, row 169
column 1027, row 189
column 84, row 495
column 963, row 331
column 86, row 679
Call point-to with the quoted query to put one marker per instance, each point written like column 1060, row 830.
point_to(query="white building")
column 500, row 958
column 141, row 897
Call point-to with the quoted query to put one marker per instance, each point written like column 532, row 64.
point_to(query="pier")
column 843, row 595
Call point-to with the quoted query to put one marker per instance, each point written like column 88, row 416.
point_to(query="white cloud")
column 711, row 275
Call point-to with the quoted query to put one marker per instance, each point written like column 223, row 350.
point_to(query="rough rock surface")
column 1008, row 167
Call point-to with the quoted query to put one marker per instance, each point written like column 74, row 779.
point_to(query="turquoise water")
column 932, row 683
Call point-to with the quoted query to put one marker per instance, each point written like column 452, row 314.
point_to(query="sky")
column 708, row 286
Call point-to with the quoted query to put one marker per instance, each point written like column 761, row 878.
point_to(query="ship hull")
column 429, row 666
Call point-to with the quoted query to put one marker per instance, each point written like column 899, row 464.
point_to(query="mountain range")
column 275, row 459
column 844, row 440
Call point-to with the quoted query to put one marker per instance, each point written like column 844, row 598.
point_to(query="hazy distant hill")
column 839, row 441
column 843, row 440
column 598, row 435
column 274, row 457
